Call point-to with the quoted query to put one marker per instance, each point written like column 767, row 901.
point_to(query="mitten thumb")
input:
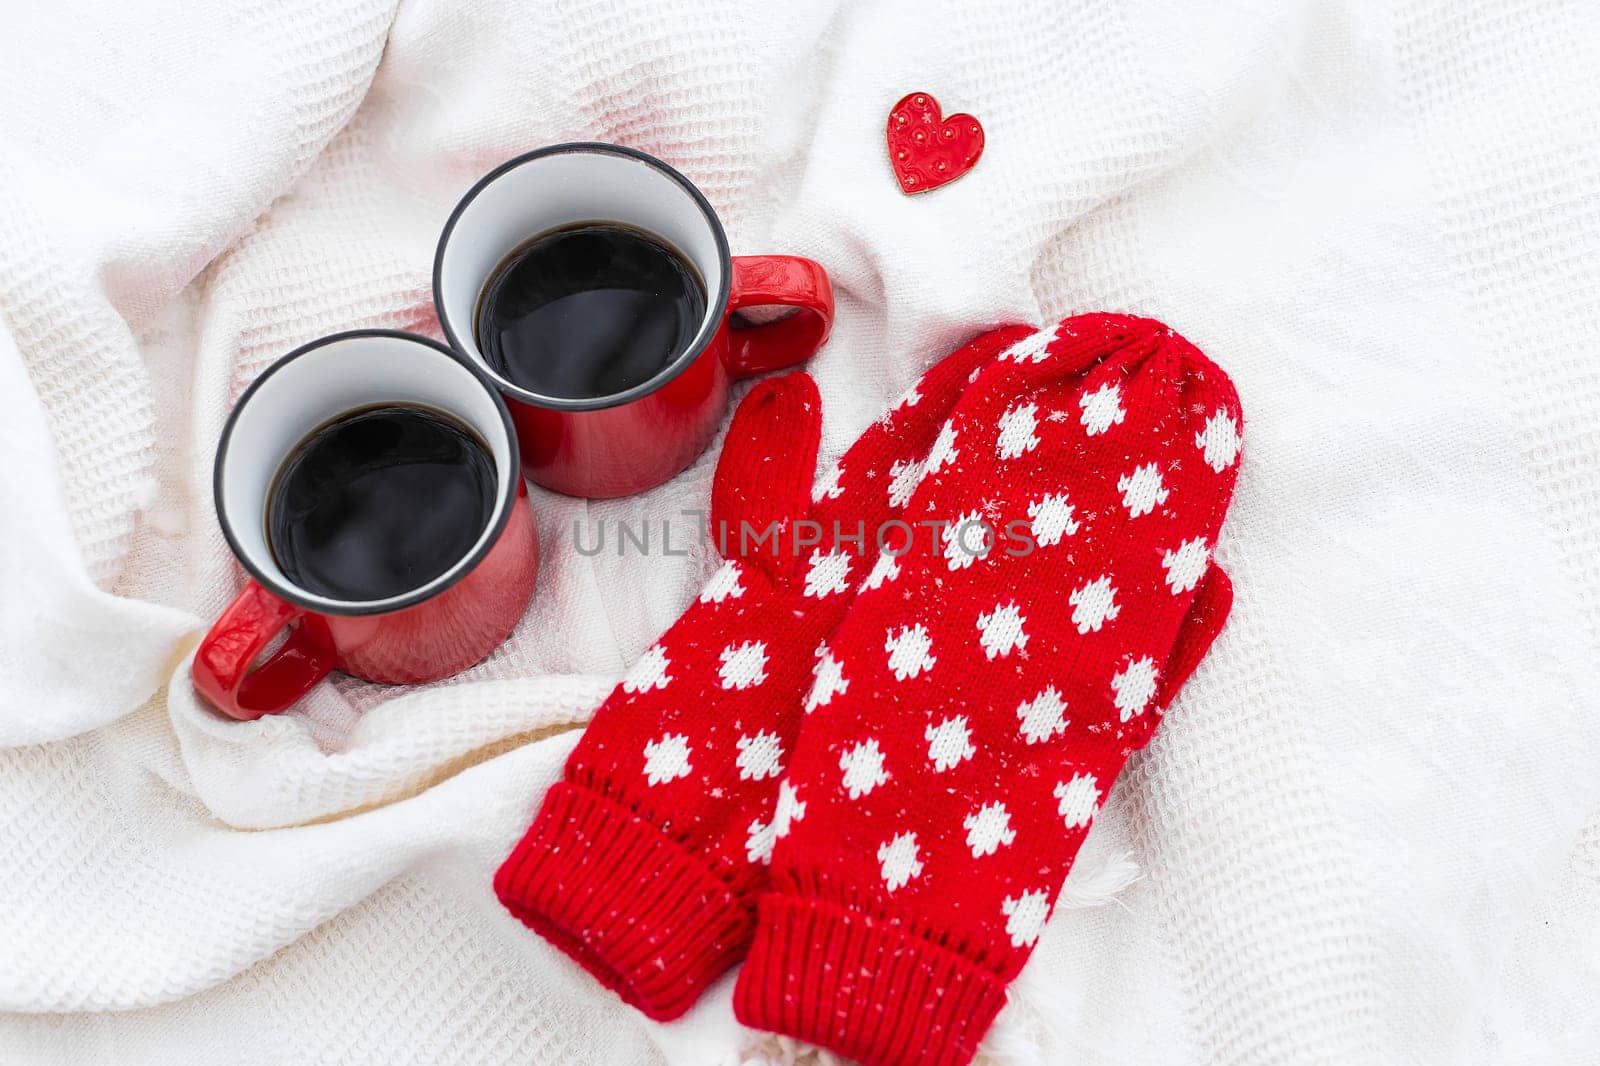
column 1207, row 612
column 764, row 477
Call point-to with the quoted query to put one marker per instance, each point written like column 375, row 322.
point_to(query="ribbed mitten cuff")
column 863, row 987
column 633, row 907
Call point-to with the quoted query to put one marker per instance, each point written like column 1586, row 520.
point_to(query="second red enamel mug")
column 607, row 446
column 276, row 640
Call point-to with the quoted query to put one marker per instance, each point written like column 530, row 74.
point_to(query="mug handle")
column 790, row 280
column 221, row 668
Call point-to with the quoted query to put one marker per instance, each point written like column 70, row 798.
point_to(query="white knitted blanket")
column 1368, row 831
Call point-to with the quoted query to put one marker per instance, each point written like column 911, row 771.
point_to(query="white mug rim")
column 716, row 303
column 321, row 605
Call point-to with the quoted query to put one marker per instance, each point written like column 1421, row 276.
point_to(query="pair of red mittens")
column 868, row 772
column 646, row 859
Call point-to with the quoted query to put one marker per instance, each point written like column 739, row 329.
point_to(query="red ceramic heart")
column 928, row 150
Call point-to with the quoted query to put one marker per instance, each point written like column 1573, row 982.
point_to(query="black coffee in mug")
column 588, row 310
column 379, row 501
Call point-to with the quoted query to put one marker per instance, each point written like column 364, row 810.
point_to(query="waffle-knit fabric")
column 1359, row 836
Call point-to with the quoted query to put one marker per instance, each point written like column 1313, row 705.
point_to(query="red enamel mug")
column 422, row 634
column 606, row 446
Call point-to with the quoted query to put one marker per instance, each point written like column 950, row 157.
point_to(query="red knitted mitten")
column 985, row 691
column 644, row 861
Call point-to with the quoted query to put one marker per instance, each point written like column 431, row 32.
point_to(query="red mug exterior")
column 611, row 446
column 432, row 633
column 438, row 637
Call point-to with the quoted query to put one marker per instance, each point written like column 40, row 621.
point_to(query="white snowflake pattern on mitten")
column 900, row 860
column 666, row 759
column 1080, row 798
column 1017, row 435
column 1000, row 631
column 1134, row 687
column 1093, row 603
column 988, row 828
column 1102, row 409
column 1219, row 441
column 863, row 769
column 1052, row 520
column 1185, row 565
column 1025, row 916
column 1142, row 490
column 650, row 672
column 908, row 649
column 1043, row 717
column 949, row 743
column 744, row 665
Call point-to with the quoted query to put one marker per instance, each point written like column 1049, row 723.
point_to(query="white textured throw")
column 1368, row 831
